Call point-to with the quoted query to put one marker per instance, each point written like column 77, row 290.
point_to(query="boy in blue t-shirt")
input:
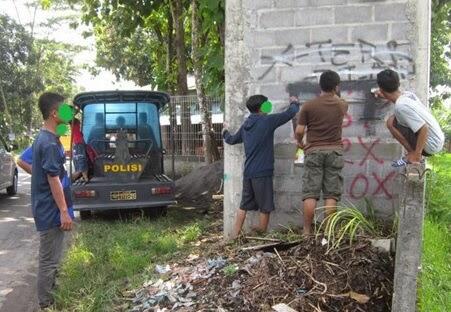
column 25, row 161
column 50, row 200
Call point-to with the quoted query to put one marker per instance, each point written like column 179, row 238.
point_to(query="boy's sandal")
column 403, row 162
column 400, row 162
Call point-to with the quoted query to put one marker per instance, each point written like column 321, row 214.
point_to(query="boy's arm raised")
column 233, row 139
column 279, row 119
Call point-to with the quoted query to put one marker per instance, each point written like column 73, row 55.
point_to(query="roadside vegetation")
column 108, row 257
column 435, row 280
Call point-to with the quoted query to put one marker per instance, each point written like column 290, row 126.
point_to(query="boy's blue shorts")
column 258, row 194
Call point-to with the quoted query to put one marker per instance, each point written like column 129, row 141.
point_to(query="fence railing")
column 186, row 126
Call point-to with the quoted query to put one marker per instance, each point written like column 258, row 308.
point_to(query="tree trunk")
column 182, row 83
column 210, row 147
column 170, row 58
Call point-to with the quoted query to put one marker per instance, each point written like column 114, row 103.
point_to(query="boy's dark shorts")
column 79, row 158
column 258, row 194
column 322, row 173
column 409, row 135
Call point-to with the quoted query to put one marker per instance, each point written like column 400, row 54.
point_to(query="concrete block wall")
column 280, row 47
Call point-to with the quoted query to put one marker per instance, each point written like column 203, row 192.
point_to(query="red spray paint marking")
column 346, row 147
column 347, row 121
column 358, row 177
column 382, row 184
column 369, row 151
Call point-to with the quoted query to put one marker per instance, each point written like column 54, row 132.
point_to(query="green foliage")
column 190, row 233
column 442, row 114
column 135, row 40
column 440, row 43
column 230, row 270
column 435, row 280
column 347, row 223
column 434, row 293
column 438, row 186
column 30, row 66
column 108, row 256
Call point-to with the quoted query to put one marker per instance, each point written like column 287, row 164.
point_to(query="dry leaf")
column 359, row 297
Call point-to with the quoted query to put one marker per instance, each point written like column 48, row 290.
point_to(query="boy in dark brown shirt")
column 322, row 119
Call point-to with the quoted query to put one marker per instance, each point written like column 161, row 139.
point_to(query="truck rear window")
column 103, row 121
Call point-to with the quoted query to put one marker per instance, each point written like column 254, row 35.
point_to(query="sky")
column 23, row 14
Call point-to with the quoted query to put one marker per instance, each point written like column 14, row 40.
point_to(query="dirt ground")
column 303, row 274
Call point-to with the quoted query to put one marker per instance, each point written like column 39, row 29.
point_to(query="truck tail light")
column 85, row 194
column 161, row 190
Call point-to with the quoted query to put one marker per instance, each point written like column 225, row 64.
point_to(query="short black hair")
column 49, row 101
column 388, row 80
column 254, row 102
column 329, row 80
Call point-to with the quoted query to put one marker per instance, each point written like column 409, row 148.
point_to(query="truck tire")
column 85, row 214
column 12, row 190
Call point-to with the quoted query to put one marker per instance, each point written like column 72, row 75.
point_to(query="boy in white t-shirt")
column 412, row 124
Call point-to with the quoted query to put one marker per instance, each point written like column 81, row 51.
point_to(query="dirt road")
column 18, row 251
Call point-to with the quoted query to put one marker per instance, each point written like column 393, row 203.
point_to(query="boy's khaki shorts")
column 322, row 172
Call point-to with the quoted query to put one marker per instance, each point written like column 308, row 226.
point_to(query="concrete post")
column 409, row 242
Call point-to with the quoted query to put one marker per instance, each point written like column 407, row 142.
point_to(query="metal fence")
column 186, row 127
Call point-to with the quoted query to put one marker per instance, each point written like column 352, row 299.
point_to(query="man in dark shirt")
column 257, row 134
column 323, row 118
column 49, row 200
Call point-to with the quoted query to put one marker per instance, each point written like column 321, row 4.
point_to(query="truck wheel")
column 85, row 214
column 12, row 190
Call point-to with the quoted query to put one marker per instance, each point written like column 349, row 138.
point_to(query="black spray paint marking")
column 348, row 59
column 358, row 90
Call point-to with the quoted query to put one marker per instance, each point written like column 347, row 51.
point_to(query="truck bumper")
column 142, row 195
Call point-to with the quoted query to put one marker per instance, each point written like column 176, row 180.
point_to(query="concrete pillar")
column 409, row 242
column 280, row 47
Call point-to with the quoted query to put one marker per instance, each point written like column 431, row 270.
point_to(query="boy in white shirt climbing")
column 412, row 124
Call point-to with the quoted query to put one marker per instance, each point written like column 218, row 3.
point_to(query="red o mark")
column 381, row 184
column 347, row 121
column 358, row 177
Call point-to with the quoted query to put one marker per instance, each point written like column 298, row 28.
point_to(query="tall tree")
column 209, row 144
column 440, row 43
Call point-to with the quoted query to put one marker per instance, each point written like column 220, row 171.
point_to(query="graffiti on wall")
column 358, row 64
column 361, row 60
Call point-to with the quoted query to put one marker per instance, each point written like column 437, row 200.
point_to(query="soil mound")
column 201, row 183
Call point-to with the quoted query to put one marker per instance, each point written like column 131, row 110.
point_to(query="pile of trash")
column 300, row 276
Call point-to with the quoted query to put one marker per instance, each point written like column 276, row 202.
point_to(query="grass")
column 435, row 281
column 108, row 257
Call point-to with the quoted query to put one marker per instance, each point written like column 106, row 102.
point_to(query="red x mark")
column 346, row 147
column 381, row 184
column 369, row 151
column 347, row 121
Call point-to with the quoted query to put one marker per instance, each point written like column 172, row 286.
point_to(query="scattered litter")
column 301, row 277
column 324, row 242
column 217, row 263
column 282, row 307
column 162, row 269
